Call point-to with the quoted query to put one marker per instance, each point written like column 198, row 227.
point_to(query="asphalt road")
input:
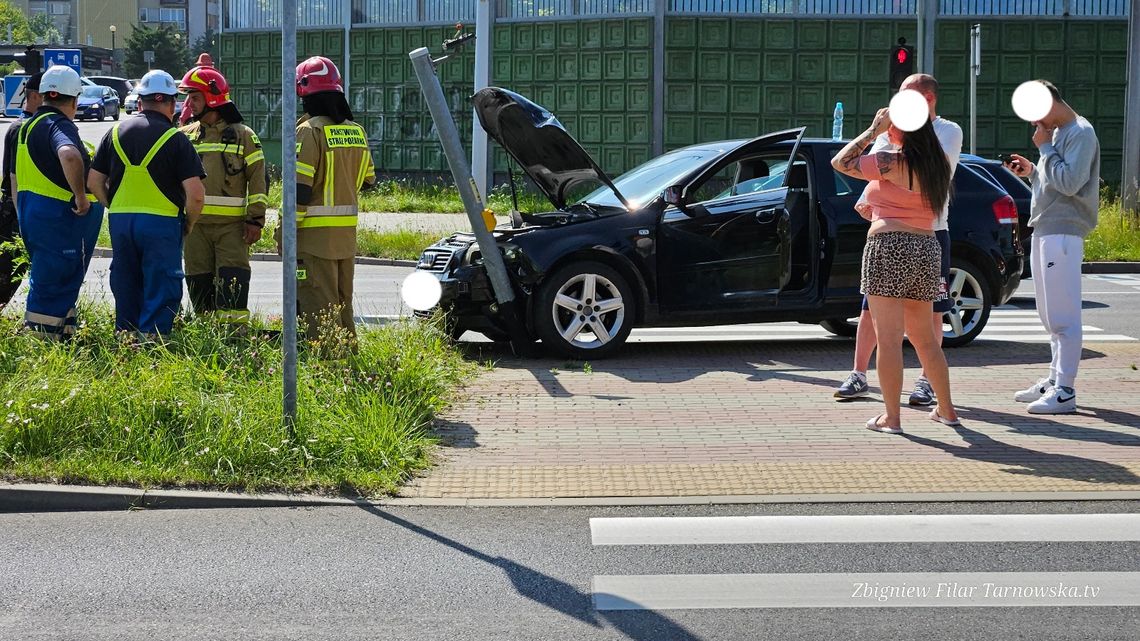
column 542, row 573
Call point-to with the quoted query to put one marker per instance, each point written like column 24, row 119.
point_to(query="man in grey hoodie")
column 1066, row 184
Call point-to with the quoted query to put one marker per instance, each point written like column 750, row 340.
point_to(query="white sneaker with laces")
column 1058, row 400
column 1035, row 391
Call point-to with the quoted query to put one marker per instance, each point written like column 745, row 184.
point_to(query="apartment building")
column 89, row 22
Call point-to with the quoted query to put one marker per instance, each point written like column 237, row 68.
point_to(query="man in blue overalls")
column 57, row 220
column 11, row 273
column 150, row 177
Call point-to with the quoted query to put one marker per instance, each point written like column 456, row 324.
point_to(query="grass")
column 1116, row 237
column 405, row 196
column 204, row 409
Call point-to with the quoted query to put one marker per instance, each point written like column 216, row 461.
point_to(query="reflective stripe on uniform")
column 258, row 198
column 224, row 206
column 137, row 193
column 330, row 177
column 329, row 216
column 213, row 147
column 255, row 157
column 306, row 170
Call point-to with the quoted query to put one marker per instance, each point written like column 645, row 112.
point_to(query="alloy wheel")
column 588, row 311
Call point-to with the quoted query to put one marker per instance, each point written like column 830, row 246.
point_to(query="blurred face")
column 197, row 103
column 931, row 99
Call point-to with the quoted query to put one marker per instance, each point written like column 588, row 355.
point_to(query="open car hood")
column 534, row 138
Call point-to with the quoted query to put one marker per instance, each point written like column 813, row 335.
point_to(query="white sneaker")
column 1034, row 392
column 1058, row 400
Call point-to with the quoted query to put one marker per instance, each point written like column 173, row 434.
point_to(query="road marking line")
column 870, row 528
column 866, row 590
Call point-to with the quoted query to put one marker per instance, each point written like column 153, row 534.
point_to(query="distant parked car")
column 97, row 102
column 122, row 86
column 131, row 103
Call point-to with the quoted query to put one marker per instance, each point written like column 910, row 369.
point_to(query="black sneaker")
column 854, row 387
column 923, row 394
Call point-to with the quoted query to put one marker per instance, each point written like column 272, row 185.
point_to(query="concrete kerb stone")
column 77, row 498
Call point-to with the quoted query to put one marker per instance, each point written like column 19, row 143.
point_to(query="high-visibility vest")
column 137, row 193
column 28, row 175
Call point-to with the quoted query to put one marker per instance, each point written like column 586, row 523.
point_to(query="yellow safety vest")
column 29, row 177
column 137, row 193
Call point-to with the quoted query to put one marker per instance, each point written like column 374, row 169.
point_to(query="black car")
column 737, row 231
column 1017, row 188
column 122, row 86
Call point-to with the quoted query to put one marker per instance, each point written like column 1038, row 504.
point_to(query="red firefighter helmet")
column 316, row 75
column 211, row 83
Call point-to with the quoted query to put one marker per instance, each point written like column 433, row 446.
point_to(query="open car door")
column 728, row 244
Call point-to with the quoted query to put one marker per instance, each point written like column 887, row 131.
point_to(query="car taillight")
column 1005, row 211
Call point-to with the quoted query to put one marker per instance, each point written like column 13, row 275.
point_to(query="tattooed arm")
column 846, row 161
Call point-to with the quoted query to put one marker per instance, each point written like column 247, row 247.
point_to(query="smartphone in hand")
column 1005, row 158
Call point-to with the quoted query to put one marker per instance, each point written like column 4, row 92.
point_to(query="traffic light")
column 31, row 60
column 902, row 63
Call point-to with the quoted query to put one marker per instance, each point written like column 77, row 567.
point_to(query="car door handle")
column 764, row 216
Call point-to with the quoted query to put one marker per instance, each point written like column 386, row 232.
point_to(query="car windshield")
column 646, row 182
column 93, row 92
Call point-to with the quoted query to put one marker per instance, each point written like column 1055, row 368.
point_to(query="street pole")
column 927, row 13
column 1130, row 179
column 347, row 61
column 975, row 71
column 480, row 158
column 505, row 305
column 289, row 213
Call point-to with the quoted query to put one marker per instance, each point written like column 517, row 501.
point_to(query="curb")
column 103, row 252
column 1111, row 268
column 31, row 497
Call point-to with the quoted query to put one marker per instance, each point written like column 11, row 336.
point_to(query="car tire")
column 840, row 327
column 555, row 323
column 972, row 296
column 116, row 117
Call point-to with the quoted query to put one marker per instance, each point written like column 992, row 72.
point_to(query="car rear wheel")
column 970, row 293
column 584, row 311
column 116, row 116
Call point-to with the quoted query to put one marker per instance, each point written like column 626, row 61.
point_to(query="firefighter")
column 204, row 62
column 217, row 249
column 150, row 177
column 333, row 163
column 10, row 271
column 58, row 220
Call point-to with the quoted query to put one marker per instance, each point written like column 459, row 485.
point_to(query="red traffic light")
column 901, row 55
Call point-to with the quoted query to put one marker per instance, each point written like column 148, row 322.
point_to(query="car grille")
column 435, row 260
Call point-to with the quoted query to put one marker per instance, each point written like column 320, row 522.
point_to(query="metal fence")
column 249, row 15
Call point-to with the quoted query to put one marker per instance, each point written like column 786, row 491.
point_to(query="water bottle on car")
column 837, row 122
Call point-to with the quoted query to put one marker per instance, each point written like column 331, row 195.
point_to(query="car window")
column 745, row 176
column 845, row 185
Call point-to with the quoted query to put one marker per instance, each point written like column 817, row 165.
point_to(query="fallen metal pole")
column 472, row 201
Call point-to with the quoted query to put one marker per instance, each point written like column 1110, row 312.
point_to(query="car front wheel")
column 970, row 294
column 584, row 310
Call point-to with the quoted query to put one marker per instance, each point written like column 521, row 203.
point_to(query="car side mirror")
column 675, row 196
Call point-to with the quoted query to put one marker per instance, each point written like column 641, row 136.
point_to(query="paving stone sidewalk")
column 730, row 419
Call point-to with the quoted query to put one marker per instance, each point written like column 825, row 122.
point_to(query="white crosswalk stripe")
column 867, row 589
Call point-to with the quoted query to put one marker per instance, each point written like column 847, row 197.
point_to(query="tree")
column 168, row 45
column 44, row 30
column 206, row 43
column 14, row 19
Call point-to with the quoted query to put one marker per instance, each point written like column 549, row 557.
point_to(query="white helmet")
column 157, row 82
column 62, row 80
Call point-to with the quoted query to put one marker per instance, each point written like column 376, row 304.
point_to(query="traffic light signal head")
column 31, row 60
column 902, row 65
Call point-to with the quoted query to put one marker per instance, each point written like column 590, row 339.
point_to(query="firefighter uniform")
column 145, row 161
column 333, row 163
column 59, row 242
column 216, row 255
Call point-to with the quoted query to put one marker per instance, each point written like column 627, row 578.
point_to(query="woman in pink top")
column 901, row 260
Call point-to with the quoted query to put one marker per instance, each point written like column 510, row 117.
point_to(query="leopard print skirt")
column 901, row 265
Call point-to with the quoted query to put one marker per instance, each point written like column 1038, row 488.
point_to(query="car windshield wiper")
column 593, row 209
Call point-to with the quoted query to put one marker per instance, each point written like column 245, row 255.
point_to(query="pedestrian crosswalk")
column 843, row 589
column 1005, row 323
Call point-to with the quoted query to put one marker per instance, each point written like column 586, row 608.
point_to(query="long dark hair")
column 926, row 161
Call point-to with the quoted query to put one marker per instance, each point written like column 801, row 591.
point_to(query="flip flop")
column 935, row 416
column 874, row 426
